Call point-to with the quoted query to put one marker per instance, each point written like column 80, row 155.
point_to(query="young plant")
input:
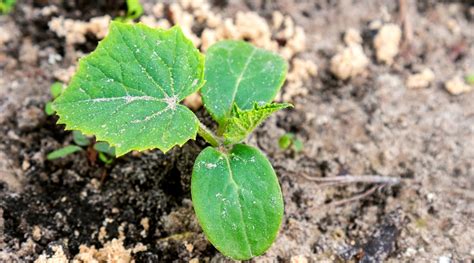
column 134, row 11
column 6, row 6
column 288, row 140
column 470, row 79
column 105, row 152
column 56, row 89
column 128, row 93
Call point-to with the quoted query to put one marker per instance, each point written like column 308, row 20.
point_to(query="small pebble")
column 457, row 86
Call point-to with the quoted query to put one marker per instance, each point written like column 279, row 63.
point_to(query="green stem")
column 208, row 135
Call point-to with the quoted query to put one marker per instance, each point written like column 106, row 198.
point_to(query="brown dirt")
column 369, row 124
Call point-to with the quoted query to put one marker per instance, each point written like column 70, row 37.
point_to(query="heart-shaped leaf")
column 237, row 200
column 237, row 72
column 127, row 91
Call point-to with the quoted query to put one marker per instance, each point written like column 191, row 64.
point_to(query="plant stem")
column 208, row 135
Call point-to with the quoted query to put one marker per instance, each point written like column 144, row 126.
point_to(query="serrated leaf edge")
column 71, row 127
column 118, row 152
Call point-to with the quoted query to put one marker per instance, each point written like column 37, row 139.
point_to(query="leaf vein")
column 145, row 70
column 239, row 79
column 231, row 175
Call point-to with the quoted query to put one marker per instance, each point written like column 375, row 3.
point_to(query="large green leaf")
column 127, row 91
column 237, row 72
column 242, row 122
column 237, row 200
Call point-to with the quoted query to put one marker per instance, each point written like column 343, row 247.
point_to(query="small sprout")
column 105, row 158
column 134, row 11
column 297, row 145
column 6, row 6
column 105, row 152
column 48, row 108
column 63, row 152
column 289, row 139
column 80, row 139
column 285, row 140
column 470, row 79
column 104, row 148
column 143, row 111
column 56, row 89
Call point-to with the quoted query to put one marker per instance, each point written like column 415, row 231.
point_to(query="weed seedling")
column 6, row 6
column 289, row 141
column 470, row 79
column 105, row 152
column 56, row 89
column 128, row 93
column 134, row 11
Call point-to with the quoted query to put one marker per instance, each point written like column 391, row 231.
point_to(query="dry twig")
column 357, row 197
column 378, row 180
column 348, row 179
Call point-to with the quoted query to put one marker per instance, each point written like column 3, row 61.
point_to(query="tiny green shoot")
column 63, row 152
column 290, row 141
column 134, row 11
column 56, row 89
column 105, row 152
column 128, row 92
column 470, row 79
column 80, row 139
column 6, row 6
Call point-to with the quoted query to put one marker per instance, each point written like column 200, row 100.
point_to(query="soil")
column 369, row 124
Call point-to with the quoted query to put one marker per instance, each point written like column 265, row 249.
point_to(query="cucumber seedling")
column 128, row 93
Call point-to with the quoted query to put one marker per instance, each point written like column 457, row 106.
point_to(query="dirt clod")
column 387, row 42
column 349, row 62
column 420, row 80
column 457, row 86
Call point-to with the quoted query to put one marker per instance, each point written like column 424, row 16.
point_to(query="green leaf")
column 48, row 109
column 60, row 153
column 297, row 145
column 103, row 147
column 470, row 79
column 127, row 91
column 242, row 122
column 286, row 140
column 134, row 9
column 237, row 200
column 6, row 6
column 105, row 158
column 56, row 89
column 237, row 72
column 80, row 139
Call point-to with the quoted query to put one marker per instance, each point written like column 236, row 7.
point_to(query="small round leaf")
column 237, row 200
column 237, row 72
